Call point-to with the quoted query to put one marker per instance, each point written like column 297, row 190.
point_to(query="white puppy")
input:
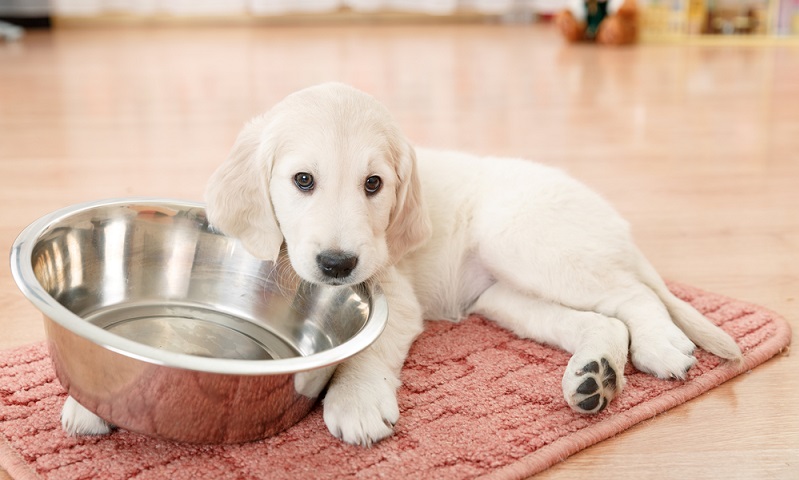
column 328, row 173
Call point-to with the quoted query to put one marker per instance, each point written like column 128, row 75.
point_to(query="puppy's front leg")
column 361, row 403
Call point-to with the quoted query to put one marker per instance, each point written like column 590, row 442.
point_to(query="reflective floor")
column 698, row 146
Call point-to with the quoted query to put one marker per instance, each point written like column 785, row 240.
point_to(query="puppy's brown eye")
column 372, row 185
column 304, row 181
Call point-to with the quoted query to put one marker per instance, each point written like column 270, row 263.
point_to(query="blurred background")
column 659, row 18
column 691, row 130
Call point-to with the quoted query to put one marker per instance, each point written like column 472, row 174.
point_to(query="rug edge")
column 14, row 465
column 553, row 453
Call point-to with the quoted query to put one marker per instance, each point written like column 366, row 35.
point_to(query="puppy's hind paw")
column 591, row 387
column 664, row 359
column 77, row 420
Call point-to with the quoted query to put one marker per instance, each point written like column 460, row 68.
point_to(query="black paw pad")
column 589, row 403
column 588, row 387
column 597, row 389
column 592, row 367
column 609, row 375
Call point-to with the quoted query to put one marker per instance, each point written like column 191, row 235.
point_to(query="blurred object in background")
column 663, row 17
column 607, row 22
column 759, row 18
column 281, row 7
column 10, row 32
column 730, row 17
column 788, row 17
column 17, row 15
column 511, row 11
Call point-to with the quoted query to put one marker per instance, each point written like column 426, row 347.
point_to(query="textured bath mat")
column 477, row 401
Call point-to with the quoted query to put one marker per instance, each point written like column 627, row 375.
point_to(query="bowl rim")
column 22, row 272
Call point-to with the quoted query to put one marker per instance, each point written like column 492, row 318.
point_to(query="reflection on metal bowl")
column 161, row 325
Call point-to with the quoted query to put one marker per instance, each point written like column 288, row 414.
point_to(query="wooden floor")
column 698, row 146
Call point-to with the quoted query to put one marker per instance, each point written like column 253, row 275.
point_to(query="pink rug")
column 477, row 402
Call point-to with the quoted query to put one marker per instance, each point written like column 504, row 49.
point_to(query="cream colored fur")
column 447, row 235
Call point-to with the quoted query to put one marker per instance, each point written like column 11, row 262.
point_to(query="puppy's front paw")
column 361, row 414
column 77, row 420
column 589, row 387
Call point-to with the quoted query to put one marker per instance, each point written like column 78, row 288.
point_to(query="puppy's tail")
column 699, row 329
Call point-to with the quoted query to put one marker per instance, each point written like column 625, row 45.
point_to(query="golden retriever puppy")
column 327, row 173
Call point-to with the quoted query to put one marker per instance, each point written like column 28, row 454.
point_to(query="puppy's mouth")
column 336, row 282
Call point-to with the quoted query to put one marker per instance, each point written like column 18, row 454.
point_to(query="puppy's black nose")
column 336, row 264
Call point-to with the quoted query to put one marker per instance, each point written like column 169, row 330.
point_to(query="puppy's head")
column 328, row 172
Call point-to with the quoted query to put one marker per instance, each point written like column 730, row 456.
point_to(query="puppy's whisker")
column 286, row 278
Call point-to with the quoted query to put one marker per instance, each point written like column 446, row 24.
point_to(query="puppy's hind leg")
column 77, row 420
column 595, row 372
column 662, row 327
column 698, row 328
column 657, row 345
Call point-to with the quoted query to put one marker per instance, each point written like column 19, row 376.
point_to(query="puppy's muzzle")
column 336, row 264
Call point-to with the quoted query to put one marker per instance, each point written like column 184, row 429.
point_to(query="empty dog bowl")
column 163, row 326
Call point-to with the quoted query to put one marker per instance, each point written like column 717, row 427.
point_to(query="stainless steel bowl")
column 163, row 326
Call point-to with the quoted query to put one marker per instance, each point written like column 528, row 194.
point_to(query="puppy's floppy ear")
column 238, row 193
column 410, row 225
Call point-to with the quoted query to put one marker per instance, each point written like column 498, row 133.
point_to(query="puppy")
column 328, row 173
